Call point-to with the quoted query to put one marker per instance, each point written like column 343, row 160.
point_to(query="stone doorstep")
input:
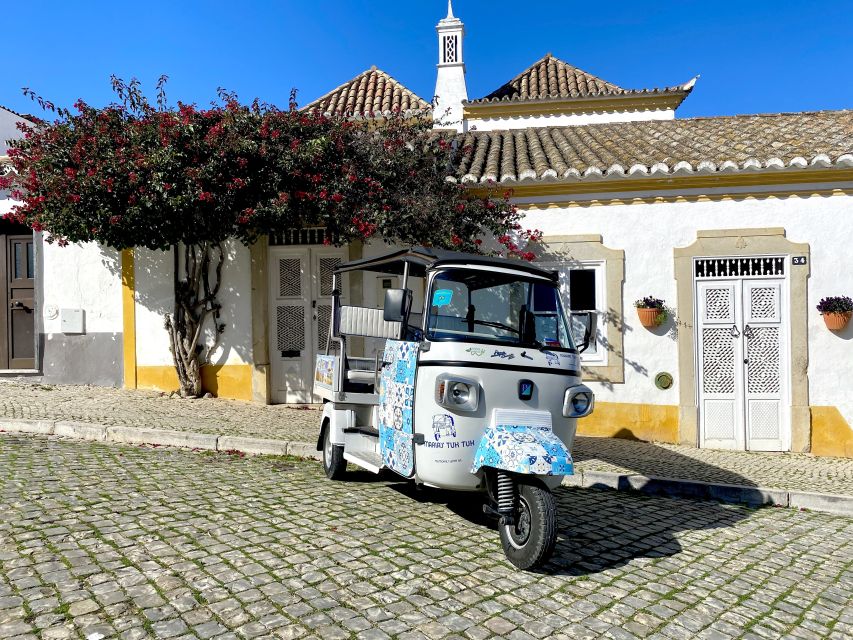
column 757, row 496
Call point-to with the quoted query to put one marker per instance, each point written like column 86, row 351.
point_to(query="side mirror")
column 396, row 305
column 582, row 326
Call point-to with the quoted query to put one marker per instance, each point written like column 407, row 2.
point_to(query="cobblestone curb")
column 740, row 494
column 160, row 438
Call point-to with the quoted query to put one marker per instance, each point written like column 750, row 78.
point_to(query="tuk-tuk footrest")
column 368, row 431
column 502, row 518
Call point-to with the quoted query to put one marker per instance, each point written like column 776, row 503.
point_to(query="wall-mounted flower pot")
column 650, row 318
column 837, row 321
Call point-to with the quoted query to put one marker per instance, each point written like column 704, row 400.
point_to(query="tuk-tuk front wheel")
column 529, row 541
column 333, row 456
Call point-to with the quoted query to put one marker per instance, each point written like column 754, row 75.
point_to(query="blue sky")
column 754, row 57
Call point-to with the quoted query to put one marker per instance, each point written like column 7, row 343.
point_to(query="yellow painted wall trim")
column 831, row 434
column 128, row 304
column 233, row 381
column 660, row 199
column 670, row 183
column 483, row 110
column 648, row 422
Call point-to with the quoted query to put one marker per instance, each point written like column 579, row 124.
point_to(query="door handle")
column 17, row 304
column 734, row 332
column 747, row 331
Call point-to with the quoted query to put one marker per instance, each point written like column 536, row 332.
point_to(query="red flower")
column 460, row 207
column 70, row 173
column 323, row 194
column 337, row 197
column 115, row 219
column 205, row 196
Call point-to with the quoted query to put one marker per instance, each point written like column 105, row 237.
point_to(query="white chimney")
column 450, row 88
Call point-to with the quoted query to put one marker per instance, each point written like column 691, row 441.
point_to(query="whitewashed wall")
column 649, row 232
column 86, row 277
column 155, row 298
column 566, row 119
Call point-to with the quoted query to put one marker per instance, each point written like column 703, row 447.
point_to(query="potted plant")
column 651, row 311
column 836, row 311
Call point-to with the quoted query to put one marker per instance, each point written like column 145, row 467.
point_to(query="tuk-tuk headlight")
column 454, row 392
column 578, row 402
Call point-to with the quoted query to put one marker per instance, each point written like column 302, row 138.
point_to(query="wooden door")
column 17, row 327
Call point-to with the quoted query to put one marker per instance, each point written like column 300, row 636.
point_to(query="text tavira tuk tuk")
column 478, row 389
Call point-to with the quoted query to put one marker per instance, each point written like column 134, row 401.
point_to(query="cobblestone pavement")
column 135, row 542
column 155, row 410
column 152, row 409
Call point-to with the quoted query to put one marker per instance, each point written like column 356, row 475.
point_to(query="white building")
column 740, row 223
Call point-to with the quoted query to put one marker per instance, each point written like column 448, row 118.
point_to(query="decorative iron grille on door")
column 742, row 368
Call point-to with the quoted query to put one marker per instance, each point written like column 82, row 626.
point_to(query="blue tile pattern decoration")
column 523, row 449
column 396, row 404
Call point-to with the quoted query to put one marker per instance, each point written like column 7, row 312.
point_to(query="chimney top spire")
column 450, row 15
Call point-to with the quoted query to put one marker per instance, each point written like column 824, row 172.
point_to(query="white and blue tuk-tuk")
column 479, row 389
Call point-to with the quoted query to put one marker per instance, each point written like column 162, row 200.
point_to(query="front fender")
column 523, row 449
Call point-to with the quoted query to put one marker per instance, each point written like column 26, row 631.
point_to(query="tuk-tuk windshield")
column 495, row 307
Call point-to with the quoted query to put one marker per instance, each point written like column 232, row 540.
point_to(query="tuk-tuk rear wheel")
column 529, row 541
column 333, row 456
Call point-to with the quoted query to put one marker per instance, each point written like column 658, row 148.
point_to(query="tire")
column 333, row 456
column 529, row 542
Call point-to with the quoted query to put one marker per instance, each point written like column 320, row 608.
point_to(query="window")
column 591, row 277
column 582, row 286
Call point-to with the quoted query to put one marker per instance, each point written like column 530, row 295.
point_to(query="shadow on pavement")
column 601, row 529
column 647, row 459
column 597, row 529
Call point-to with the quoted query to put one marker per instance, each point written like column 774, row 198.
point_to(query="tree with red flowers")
column 133, row 174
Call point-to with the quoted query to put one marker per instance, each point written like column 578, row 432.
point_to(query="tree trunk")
column 195, row 300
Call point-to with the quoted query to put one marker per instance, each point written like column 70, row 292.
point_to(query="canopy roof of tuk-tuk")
column 424, row 259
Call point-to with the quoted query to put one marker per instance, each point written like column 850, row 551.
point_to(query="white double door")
column 300, row 285
column 742, row 338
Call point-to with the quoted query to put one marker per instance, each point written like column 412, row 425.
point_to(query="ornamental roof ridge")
column 550, row 78
column 370, row 94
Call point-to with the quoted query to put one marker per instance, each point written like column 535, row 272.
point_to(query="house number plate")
column 799, row 260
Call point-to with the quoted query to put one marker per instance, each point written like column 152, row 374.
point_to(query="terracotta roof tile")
column 550, row 78
column 659, row 147
column 370, row 94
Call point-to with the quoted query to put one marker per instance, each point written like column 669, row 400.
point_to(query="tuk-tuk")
column 477, row 388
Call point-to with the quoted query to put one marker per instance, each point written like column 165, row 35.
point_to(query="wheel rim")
column 327, row 448
column 519, row 531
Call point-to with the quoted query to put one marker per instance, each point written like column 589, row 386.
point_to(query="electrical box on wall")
column 71, row 320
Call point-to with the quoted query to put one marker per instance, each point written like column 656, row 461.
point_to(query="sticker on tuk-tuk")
column 442, row 297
